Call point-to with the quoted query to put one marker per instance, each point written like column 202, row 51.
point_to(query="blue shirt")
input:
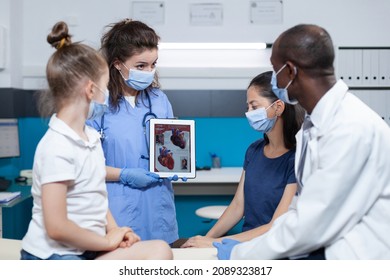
column 150, row 211
column 265, row 181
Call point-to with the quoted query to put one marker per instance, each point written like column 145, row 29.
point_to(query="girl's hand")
column 116, row 236
column 129, row 239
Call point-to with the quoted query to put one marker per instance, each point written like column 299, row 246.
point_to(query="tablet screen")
column 172, row 147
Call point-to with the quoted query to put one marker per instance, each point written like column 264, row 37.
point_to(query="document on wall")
column 152, row 13
column 266, row 12
column 6, row 197
column 206, row 14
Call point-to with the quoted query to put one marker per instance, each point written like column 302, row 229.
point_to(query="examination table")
column 10, row 250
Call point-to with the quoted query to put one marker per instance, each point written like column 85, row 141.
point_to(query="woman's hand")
column 199, row 242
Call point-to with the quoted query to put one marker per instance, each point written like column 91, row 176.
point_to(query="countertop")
column 216, row 175
column 216, row 181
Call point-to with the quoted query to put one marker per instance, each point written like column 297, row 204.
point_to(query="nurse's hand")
column 173, row 178
column 176, row 178
column 138, row 177
column 225, row 248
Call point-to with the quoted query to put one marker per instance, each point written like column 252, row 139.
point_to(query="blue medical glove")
column 173, row 178
column 176, row 178
column 137, row 177
column 225, row 248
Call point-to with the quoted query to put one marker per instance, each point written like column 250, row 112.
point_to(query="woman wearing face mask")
column 267, row 185
column 137, row 198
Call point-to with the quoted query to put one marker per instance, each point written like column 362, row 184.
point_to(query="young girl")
column 267, row 185
column 137, row 197
column 70, row 218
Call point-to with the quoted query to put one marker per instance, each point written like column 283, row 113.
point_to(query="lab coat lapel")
column 322, row 117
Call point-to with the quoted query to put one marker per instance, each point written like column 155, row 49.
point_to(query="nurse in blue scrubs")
column 137, row 198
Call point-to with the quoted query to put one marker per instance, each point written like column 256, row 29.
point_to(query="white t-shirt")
column 130, row 99
column 62, row 155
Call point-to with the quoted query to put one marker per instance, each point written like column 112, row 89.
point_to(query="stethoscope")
column 149, row 115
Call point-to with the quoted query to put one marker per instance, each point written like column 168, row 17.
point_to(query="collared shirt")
column 149, row 211
column 344, row 205
column 62, row 155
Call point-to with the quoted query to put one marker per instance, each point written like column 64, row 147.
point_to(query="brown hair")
column 123, row 40
column 68, row 65
column 292, row 115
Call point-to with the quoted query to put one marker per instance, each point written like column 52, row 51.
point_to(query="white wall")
column 5, row 75
column 27, row 23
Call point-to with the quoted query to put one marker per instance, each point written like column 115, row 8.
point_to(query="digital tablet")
column 172, row 147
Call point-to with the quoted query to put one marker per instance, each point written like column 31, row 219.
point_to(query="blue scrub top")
column 150, row 211
column 265, row 181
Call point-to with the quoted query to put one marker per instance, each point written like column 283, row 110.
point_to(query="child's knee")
column 162, row 251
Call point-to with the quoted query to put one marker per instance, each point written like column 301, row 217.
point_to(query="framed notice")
column 206, row 14
column 266, row 12
column 172, row 147
column 152, row 13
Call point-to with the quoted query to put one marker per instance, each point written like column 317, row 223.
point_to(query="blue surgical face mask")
column 282, row 93
column 259, row 120
column 139, row 80
column 96, row 109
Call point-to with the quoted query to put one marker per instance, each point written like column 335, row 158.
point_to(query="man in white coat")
column 342, row 210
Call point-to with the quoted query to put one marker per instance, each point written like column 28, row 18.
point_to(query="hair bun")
column 59, row 36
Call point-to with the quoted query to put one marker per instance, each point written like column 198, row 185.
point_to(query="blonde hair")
column 68, row 65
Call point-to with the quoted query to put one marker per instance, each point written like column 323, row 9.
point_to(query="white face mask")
column 259, row 120
column 282, row 93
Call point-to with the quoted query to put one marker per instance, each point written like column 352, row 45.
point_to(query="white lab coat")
column 344, row 205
